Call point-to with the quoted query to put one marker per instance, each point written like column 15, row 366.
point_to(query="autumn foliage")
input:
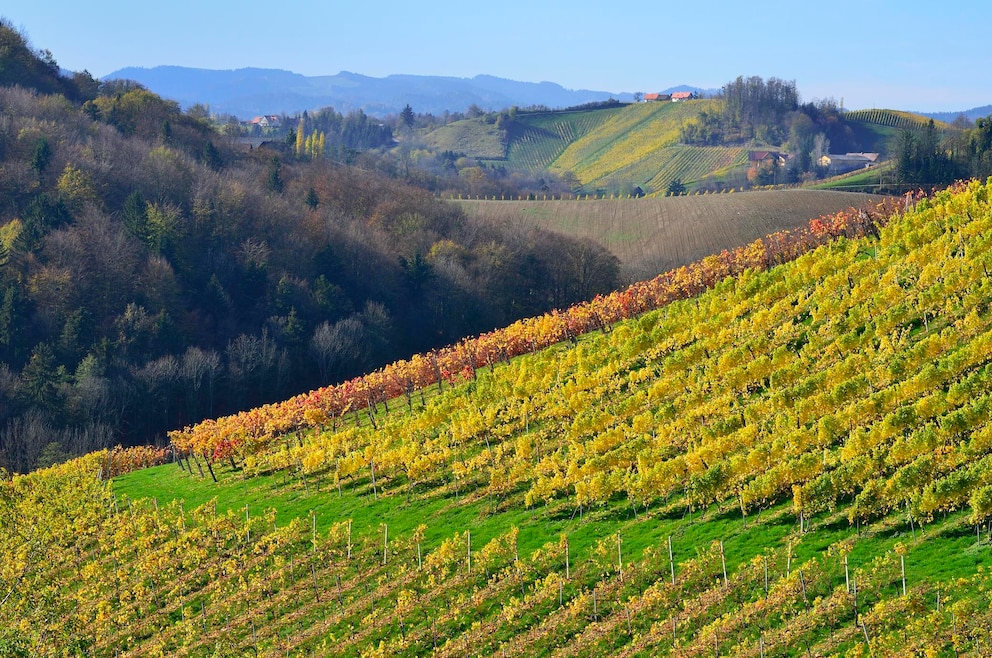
column 250, row 431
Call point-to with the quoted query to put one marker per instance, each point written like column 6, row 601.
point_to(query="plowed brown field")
column 651, row 235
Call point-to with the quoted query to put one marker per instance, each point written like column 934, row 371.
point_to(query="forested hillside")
column 793, row 462
column 153, row 273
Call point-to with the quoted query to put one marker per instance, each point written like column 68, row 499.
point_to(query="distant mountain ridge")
column 972, row 115
column 249, row 92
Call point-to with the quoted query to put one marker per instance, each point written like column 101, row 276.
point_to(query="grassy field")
column 653, row 235
column 473, row 137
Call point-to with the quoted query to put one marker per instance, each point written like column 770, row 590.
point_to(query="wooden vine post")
column 723, row 561
column 902, row 564
column 671, row 563
column 567, row 572
column 619, row 558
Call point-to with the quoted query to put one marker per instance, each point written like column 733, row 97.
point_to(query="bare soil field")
column 651, row 235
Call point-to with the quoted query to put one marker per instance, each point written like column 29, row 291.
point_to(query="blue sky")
column 903, row 54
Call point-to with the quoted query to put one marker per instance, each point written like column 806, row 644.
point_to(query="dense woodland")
column 153, row 273
column 925, row 156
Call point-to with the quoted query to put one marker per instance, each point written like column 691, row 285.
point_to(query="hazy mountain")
column 972, row 114
column 251, row 91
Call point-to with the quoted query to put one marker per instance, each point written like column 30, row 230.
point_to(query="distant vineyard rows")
column 625, row 140
column 690, row 163
column 541, row 139
column 890, row 118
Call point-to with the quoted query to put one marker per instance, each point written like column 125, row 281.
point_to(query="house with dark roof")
column 766, row 158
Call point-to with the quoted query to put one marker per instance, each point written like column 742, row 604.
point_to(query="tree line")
column 930, row 157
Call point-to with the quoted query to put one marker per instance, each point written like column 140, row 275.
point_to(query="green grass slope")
column 795, row 462
column 879, row 131
column 473, row 137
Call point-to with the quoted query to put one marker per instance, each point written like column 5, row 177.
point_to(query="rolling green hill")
column 794, row 462
column 470, row 136
column 610, row 148
column 616, row 149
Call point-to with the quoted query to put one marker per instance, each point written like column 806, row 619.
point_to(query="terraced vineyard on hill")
column 794, row 462
column 629, row 142
column 691, row 163
column 611, row 148
column 537, row 140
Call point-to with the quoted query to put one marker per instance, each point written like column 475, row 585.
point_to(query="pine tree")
column 274, row 179
column 407, row 117
column 312, row 200
column 135, row 215
column 41, row 377
column 42, row 157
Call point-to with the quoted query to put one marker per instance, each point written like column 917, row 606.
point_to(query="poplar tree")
column 300, row 138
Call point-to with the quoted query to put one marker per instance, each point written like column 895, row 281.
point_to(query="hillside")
column 536, row 141
column 892, row 119
column 613, row 148
column 652, row 235
column 630, row 145
column 22, row 65
column 154, row 272
column 644, row 147
column 794, row 462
